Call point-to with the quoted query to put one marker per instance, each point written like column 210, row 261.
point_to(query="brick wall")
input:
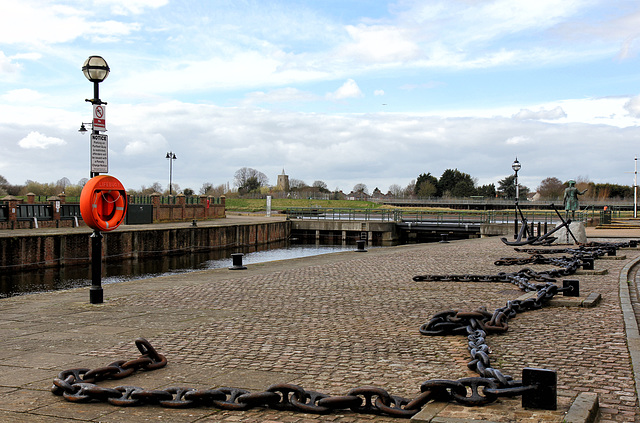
column 206, row 208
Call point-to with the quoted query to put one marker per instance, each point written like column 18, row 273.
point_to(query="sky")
column 346, row 92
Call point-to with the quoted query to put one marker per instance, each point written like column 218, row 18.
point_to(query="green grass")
column 250, row 205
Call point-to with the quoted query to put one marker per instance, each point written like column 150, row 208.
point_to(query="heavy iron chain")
column 478, row 323
column 80, row 384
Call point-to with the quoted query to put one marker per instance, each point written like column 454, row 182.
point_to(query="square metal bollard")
column 544, row 396
column 237, row 262
column 575, row 287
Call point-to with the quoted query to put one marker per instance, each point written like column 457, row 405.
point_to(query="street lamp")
column 516, row 167
column 96, row 70
column 171, row 156
column 83, row 128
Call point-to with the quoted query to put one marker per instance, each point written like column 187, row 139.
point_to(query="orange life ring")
column 103, row 203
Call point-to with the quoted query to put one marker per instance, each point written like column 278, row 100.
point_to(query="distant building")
column 283, row 182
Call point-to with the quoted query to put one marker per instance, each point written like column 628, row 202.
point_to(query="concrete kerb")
column 630, row 322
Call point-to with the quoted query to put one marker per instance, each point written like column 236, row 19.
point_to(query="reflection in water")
column 66, row 277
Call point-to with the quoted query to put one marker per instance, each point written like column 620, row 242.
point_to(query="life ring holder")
column 103, row 203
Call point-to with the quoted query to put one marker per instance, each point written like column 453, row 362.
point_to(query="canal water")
column 53, row 279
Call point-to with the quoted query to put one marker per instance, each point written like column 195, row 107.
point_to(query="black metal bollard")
column 587, row 263
column 237, row 261
column 444, row 238
column 360, row 243
column 575, row 287
column 545, row 383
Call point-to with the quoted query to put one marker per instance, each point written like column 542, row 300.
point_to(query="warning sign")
column 99, row 153
column 99, row 119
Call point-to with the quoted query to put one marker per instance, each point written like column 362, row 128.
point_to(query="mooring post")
column 545, row 383
column 95, row 293
column 360, row 243
column 574, row 291
column 237, row 261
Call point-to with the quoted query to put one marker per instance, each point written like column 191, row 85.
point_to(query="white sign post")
column 99, row 153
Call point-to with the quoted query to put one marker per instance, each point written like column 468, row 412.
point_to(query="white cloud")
column 22, row 95
column 519, row 139
column 40, row 23
column 349, row 89
column 378, row 92
column 541, row 114
column 151, row 143
column 279, row 96
column 377, row 43
column 633, row 106
column 37, row 140
column 126, row 7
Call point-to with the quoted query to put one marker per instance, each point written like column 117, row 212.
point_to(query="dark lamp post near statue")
column 516, row 167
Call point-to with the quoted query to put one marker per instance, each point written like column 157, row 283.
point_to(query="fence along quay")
column 393, row 226
column 537, row 387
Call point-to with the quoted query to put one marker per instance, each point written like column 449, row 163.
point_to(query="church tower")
column 283, row 182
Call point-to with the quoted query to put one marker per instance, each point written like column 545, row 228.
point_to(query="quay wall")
column 35, row 251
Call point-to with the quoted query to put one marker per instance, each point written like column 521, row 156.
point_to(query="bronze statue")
column 571, row 199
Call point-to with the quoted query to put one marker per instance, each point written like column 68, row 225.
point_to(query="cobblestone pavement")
column 327, row 323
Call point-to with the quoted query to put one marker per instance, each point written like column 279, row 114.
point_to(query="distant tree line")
column 451, row 184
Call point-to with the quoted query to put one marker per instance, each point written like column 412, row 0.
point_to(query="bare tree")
column 396, row 190
column 208, row 189
column 297, row 183
column 247, row 177
column 362, row 188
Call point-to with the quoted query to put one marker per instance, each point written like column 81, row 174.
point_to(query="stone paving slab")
column 327, row 323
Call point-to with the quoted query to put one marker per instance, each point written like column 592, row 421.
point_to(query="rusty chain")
column 478, row 323
column 80, row 384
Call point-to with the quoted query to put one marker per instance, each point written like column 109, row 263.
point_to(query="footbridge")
column 391, row 226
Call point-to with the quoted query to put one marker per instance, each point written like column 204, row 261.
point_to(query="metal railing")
column 434, row 217
column 31, row 211
column 342, row 214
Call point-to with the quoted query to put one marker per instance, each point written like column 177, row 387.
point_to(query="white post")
column 635, row 189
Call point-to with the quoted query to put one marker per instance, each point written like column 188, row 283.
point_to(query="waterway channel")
column 66, row 277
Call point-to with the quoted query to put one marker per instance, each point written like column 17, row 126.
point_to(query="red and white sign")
column 99, row 117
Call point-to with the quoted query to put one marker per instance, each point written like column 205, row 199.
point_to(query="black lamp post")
column 516, row 167
column 171, row 156
column 96, row 70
